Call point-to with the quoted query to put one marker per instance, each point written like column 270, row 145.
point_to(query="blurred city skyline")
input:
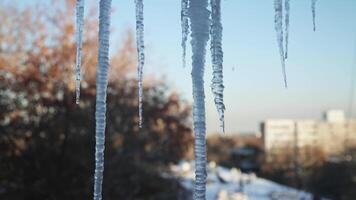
column 319, row 66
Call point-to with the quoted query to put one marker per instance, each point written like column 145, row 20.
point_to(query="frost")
column 278, row 23
column 313, row 3
column 79, row 40
column 101, row 86
column 140, row 53
column 185, row 27
column 217, row 59
column 287, row 8
column 200, row 24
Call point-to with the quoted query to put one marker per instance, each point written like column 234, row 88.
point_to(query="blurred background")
column 294, row 143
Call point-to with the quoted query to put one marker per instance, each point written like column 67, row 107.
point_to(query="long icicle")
column 101, row 87
column 278, row 23
column 200, row 24
column 185, row 27
column 140, row 54
column 287, row 9
column 313, row 4
column 217, row 85
column 79, row 40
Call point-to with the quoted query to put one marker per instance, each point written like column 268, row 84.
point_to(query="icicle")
column 185, row 27
column 140, row 53
column 200, row 24
column 101, row 86
column 278, row 22
column 287, row 8
column 217, row 86
column 79, row 39
column 313, row 2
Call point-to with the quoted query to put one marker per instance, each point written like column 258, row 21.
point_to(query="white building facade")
column 333, row 134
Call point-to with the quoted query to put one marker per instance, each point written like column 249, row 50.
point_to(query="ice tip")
column 77, row 99
column 285, row 84
column 222, row 125
column 140, row 124
column 285, row 77
column 140, row 119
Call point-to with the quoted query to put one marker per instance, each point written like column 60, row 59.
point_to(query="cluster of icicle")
column 278, row 20
column 102, row 76
column 201, row 28
column 140, row 49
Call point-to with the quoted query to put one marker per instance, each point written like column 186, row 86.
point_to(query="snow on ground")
column 231, row 184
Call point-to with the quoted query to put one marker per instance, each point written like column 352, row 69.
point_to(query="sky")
column 319, row 65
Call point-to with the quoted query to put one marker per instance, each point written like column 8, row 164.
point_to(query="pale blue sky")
column 318, row 68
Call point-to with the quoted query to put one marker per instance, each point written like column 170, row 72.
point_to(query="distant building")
column 333, row 134
column 334, row 116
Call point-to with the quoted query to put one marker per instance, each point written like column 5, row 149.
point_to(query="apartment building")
column 332, row 134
